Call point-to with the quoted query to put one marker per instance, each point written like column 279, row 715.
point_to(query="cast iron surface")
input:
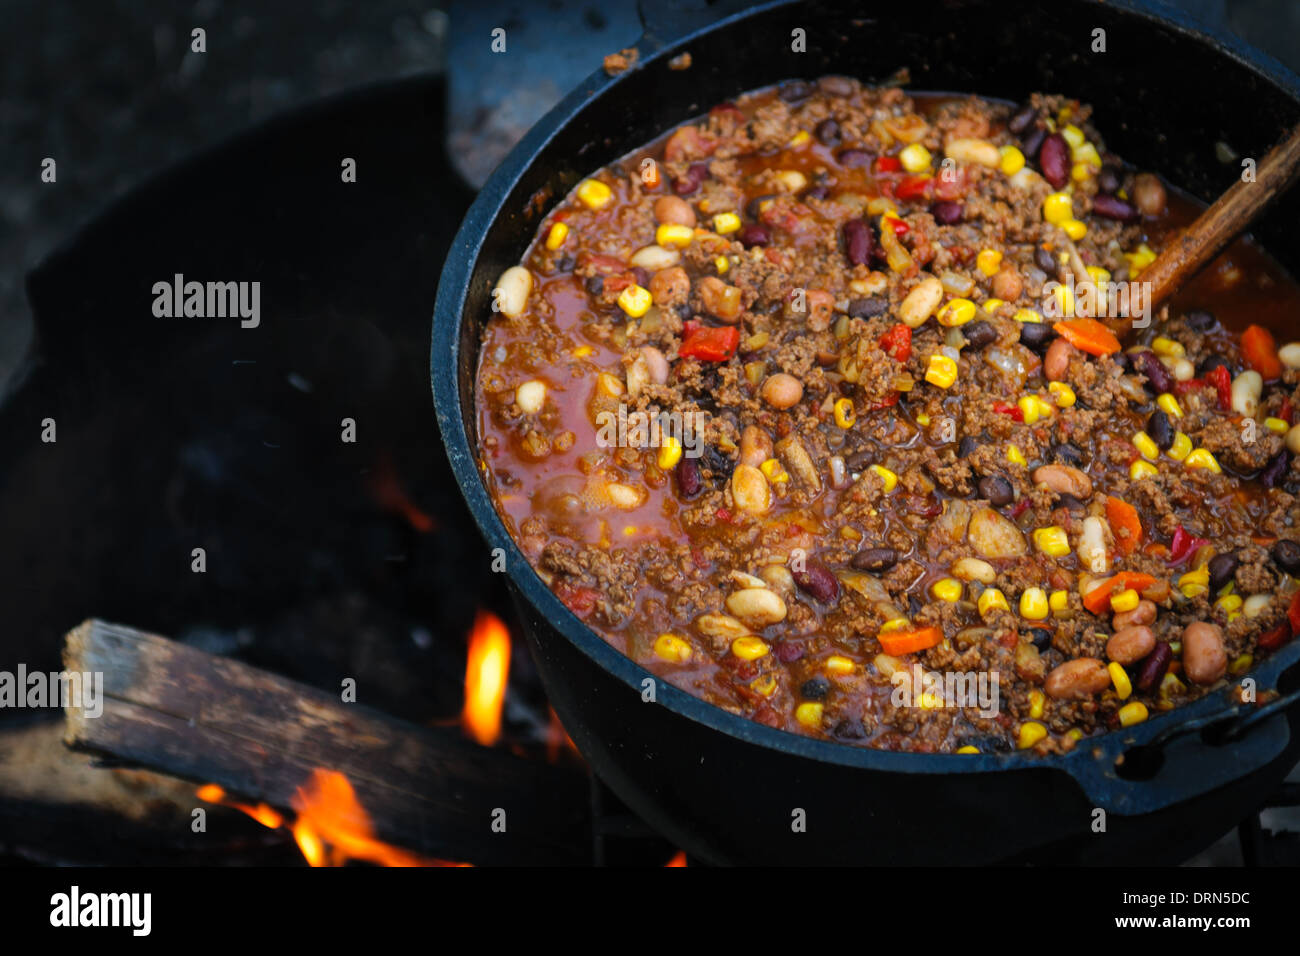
column 722, row 786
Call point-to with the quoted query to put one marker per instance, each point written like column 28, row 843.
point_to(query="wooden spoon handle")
column 1231, row 213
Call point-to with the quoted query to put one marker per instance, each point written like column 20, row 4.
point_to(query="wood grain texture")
column 209, row 719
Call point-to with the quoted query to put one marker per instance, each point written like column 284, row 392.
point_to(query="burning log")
column 179, row 711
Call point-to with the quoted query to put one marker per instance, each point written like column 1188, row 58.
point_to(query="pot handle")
column 666, row 21
column 1186, row 759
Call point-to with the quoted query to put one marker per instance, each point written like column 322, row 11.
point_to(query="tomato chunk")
column 712, row 344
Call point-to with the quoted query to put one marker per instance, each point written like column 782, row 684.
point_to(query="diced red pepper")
column 1285, row 410
column 897, row 342
column 1222, row 383
column 1272, row 640
column 915, row 187
column 889, row 402
column 712, row 344
column 951, row 184
column 1184, row 546
column 888, row 164
column 1293, row 613
column 1019, row 508
column 1002, row 408
column 581, row 601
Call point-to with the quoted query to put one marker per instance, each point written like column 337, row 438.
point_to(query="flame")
column 485, row 678
column 387, row 490
column 678, row 860
column 331, row 828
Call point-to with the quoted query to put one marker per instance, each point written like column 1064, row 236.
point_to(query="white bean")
column 1246, row 390
column 654, row 258
column 757, row 607
column 1092, row 546
column 531, row 396
column 750, row 490
column 1293, row 440
column 1184, row 370
column 921, row 302
column 1255, row 604
column 1290, row 354
column 511, row 293
column 973, row 569
column 978, row 151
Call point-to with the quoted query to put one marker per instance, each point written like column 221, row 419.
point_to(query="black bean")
column 979, row 334
column 1200, row 320
column 718, row 463
column 754, row 206
column 947, row 212
column 1112, row 207
column 1070, row 503
column 565, row 263
column 875, row 559
column 1158, row 377
column 966, row 447
column 996, row 490
column 684, row 311
column 817, row 192
column 1208, row 364
column 1041, row 637
column 838, row 86
column 1033, row 142
column 815, row 579
column 1036, row 335
column 1046, row 261
column 752, row 234
column 852, row 158
column 1286, row 555
column 827, row 132
column 1067, row 452
column 1153, row 666
column 859, row 460
column 850, row 728
column 1222, row 567
column 594, row 285
column 792, row 91
column 986, row 743
column 1277, row 467
column 858, row 241
column 1022, row 120
column 865, row 308
column 689, row 482
column 1108, row 180
column 1054, row 160
column 1160, row 429
column 815, row 688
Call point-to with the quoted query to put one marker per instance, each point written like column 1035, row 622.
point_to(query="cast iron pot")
column 731, row 791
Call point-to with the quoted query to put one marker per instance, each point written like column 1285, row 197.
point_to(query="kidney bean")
column 1158, row 376
column 996, row 490
column 1057, row 361
column 693, row 178
column 752, row 234
column 858, row 241
column 1222, row 567
column 1128, row 645
column 1022, row 120
column 1160, row 429
column 827, row 132
column 1153, row 667
column 1033, row 142
column 1112, row 207
column 1077, row 679
column 1276, row 469
column 1054, row 160
column 979, row 334
column 815, row 688
column 787, row 652
column 1108, row 178
column 1036, row 335
column 853, row 158
column 947, row 212
column 1200, row 320
column 1286, row 555
column 689, row 482
column 1045, row 261
column 865, row 308
column 1204, row 658
column 1144, row 613
column 1149, row 194
column 792, row 91
column 875, row 559
column 817, row 581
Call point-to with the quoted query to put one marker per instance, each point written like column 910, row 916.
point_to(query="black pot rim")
column 1092, row 762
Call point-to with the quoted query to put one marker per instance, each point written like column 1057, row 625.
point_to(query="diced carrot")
column 905, row 642
column 1260, row 351
column 1124, row 517
column 1088, row 335
column 1098, row 599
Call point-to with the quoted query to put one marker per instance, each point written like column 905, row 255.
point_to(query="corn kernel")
column 1064, row 395
column 1169, row 405
column 991, row 305
column 1028, row 409
column 1030, row 733
column 923, row 420
column 722, row 264
column 594, row 194
column 1132, row 713
column 1075, row 229
column 1167, row 347
column 1058, row 208
column 1027, row 315
column 895, row 624
column 725, row 222
column 555, row 238
column 1037, row 703
column 1229, row 603
column 915, row 158
column 1052, row 541
column 1097, row 274
column 799, row 139
column 1086, row 153
column 1059, row 601
column 991, row 599
column 988, row 261
column 1139, row 259
column 1013, row 160
column 671, row 234
column 1125, row 601
column 1079, row 172
column 1033, row 604
column 1119, row 678
column 1074, row 733
column 1201, row 458
column 809, row 713
column 1073, row 135
column 839, row 664
column 845, row 416
column 1143, row 443
column 1181, row 448
column 947, row 589
column 1141, row 469
column 764, row 685
column 749, row 648
column 956, row 312
column 1241, row 664
column 888, row 477
column 1195, row 582
column 968, row 749
column 670, row 453
column 635, row 301
column 582, row 351
column 773, row 471
column 670, row 647
column 1278, row 425
column 1015, row 456
column 942, row 371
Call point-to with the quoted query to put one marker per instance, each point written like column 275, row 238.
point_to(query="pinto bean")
column 919, row 304
column 720, row 300
column 750, row 490
column 674, row 210
column 670, row 287
column 1204, row 658
column 755, row 446
column 1143, row 614
column 782, row 391
column 1076, row 679
column 1149, row 194
column 1007, row 284
column 875, row 559
column 1057, row 360
column 1064, row 480
column 1128, row 645
column 821, row 308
